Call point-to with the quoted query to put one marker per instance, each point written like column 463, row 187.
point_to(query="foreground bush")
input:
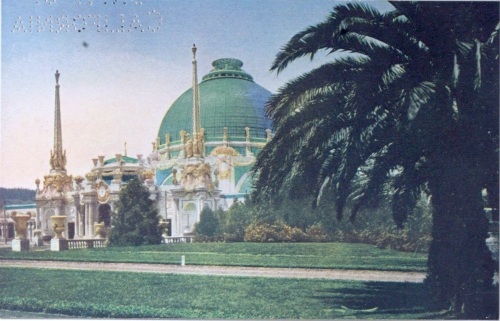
column 394, row 239
column 276, row 232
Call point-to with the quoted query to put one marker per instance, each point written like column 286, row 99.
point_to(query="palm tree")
column 408, row 103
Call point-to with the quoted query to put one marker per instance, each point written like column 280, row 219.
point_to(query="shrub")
column 239, row 217
column 208, row 225
column 275, row 232
column 316, row 233
column 136, row 221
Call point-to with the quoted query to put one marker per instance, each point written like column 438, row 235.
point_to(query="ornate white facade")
column 190, row 166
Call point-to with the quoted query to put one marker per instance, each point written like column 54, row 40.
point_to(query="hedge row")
column 280, row 232
column 402, row 240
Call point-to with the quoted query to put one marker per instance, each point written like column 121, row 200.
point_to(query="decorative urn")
column 58, row 225
column 99, row 230
column 21, row 221
column 164, row 225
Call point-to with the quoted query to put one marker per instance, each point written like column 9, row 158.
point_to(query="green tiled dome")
column 228, row 98
column 125, row 159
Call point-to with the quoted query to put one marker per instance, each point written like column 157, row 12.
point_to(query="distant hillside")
column 17, row 195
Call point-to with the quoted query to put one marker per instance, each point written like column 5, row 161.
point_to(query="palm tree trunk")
column 460, row 265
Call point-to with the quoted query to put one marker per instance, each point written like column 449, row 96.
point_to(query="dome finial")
column 57, row 77
column 194, row 51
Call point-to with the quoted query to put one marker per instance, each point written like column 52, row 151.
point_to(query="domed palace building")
column 221, row 123
column 203, row 155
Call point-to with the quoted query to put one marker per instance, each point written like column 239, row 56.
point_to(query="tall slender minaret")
column 57, row 155
column 196, row 97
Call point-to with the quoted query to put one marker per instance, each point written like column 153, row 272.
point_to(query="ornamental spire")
column 196, row 96
column 57, row 155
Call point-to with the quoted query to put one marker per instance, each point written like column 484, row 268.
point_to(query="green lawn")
column 142, row 295
column 304, row 255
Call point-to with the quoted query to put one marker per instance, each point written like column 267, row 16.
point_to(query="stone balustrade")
column 86, row 243
column 178, row 239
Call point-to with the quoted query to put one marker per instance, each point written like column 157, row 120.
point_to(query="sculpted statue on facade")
column 196, row 176
column 52, row 165
column 196, row 146
column 189, row 148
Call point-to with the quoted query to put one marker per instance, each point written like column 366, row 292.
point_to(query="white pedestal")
column 58, row 244
column 20, row 245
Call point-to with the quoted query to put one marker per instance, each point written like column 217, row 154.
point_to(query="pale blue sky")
column 119, row 86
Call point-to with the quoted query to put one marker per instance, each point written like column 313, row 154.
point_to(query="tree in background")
column 240, row 215
column 408, row 103
column 136, row 221
column 209, row 224
column 17, row 195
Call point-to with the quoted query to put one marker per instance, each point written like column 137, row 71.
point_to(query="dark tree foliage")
column 408, row 102
column 240, row 216
column 209, row 224
column 17, row 195
column 136, row 221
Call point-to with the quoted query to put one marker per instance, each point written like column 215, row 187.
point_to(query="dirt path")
column 359, row 275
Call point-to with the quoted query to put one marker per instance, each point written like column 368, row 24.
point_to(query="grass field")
column 137, row 295
column 303, row 255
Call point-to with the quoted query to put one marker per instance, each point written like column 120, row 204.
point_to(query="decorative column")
column 268, row 135
column 167, row 146
column 81, row 222
column 87, row 219
column 91, row 220
column 248, row 152
column 38, row 219
column 177, row 218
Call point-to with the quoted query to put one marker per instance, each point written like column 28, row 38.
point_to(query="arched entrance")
column 188, row 217
column 104, row 215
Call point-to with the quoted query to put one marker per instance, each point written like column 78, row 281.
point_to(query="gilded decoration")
column 194, row 147
column 189, row 148
column 243, row 161
column 224, row 163
column 196, row 176
column 91, row 176
column 78, row 179
column 100, row 230
column 224, row 150
column 148, row 174
column 58, row 182
column 102, row 192
column 58, row 160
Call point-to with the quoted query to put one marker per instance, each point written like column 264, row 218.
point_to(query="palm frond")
column 318, row 37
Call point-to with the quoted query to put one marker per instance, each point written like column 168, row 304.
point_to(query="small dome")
column 126, row 159
column 228, row 98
